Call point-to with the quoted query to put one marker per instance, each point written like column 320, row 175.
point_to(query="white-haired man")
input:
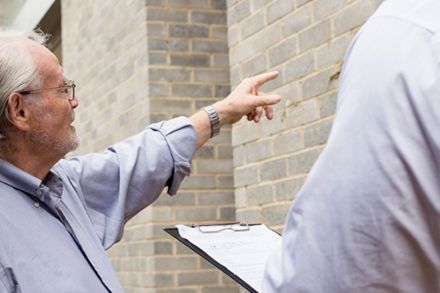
column 58, row 216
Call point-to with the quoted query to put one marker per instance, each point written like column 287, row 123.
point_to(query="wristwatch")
column 213, row 118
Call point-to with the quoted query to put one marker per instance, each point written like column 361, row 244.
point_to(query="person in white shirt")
column 368, row 217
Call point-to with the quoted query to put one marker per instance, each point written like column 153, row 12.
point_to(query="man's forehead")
column 53, row 75
column 46, row 62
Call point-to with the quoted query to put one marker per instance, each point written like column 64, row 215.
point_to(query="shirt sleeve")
column 130, row 175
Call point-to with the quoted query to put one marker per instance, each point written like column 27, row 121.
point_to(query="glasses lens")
column 70, row 90
column 70, row 93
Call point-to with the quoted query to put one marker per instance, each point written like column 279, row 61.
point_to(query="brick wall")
column 138, row 62
column 188, row 68
column 305, row 41
column 104, row 51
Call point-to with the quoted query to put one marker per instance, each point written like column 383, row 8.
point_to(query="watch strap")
column 213, row 118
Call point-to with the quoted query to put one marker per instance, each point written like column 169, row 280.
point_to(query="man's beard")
column 59, row 145
column 40, row 136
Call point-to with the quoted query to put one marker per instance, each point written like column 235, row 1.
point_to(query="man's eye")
column 64, row 90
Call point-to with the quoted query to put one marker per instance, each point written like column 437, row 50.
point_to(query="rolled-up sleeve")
column 182, row 147
column 130, row 175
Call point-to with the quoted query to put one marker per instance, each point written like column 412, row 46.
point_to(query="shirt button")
column 38, row 191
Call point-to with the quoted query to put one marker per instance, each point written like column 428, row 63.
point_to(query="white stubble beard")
column 59, row 146
column 41, row 138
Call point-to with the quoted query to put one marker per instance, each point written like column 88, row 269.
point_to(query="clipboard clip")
column 236, row 227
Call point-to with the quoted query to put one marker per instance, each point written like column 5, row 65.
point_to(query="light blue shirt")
column 368, row 217
column 54, row 232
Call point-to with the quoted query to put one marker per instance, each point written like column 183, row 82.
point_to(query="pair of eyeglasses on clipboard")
column 236, row 227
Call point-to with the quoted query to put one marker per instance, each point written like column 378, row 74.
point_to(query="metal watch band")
column 213, row 118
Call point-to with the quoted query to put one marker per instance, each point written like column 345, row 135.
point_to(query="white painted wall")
column 25, row 15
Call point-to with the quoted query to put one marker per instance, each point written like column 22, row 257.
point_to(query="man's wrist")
column 213, row 119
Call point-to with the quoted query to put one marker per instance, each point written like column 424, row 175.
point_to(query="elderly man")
column 368, row 217
column 58, row 216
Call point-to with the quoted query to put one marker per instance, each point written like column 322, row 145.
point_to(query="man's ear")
column 19, row 112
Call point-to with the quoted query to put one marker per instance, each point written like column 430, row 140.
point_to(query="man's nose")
column 74, row 102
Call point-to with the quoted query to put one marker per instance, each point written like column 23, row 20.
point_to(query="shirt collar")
column 19, row 179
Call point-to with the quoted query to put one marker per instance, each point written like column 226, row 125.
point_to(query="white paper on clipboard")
column 242, row 251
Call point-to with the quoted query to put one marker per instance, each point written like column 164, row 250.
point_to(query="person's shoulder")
column 421, row 13
column 14, row 204
column 8, row 194
column 64, row 168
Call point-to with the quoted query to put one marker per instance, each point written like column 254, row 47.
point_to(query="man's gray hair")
column 17, row 69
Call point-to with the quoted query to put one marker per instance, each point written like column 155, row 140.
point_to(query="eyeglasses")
column 68, row 89
column 239, row 227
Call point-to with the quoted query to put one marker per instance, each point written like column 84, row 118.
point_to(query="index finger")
column 261, row 79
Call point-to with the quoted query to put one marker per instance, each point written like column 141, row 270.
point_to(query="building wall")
column 2, row 15
column 104, row 52
column 137, row 62
column 9, row 10
column 305, row 41
column 22, row 14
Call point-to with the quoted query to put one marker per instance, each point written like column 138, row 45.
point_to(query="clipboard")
column 175, row 233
